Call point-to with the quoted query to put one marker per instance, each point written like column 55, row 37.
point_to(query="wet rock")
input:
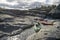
column 51, row 38
column 1, row 20
column 8, row 19
column 9, row 30
column 21, row 36
column 12, row 26
column 4, row 38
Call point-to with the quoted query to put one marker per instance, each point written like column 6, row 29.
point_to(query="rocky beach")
column 18, row 24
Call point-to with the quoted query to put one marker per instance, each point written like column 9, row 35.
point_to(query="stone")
column 46, row 33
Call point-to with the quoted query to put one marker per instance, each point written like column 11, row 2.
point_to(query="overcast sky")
column 14, row 2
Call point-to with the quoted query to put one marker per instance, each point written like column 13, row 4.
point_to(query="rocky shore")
column 18, row 25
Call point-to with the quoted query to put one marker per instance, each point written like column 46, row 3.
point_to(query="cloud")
column 10, row 0
column 14, row 2
column 25, row 3
column 50, row 1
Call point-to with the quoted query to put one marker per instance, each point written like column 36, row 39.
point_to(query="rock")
column 37, row 26
column 55, row 13
column 17, row 26
column 46, row 33
column 8, row 19
column 11, row 26
column 21, row 36
column 1, row 20
column 8, row 30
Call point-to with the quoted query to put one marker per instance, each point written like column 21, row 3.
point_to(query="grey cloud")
column 21, row 4
column 10, row 0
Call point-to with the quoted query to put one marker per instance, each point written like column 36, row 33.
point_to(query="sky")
column 14, row 2
column 17, row 3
